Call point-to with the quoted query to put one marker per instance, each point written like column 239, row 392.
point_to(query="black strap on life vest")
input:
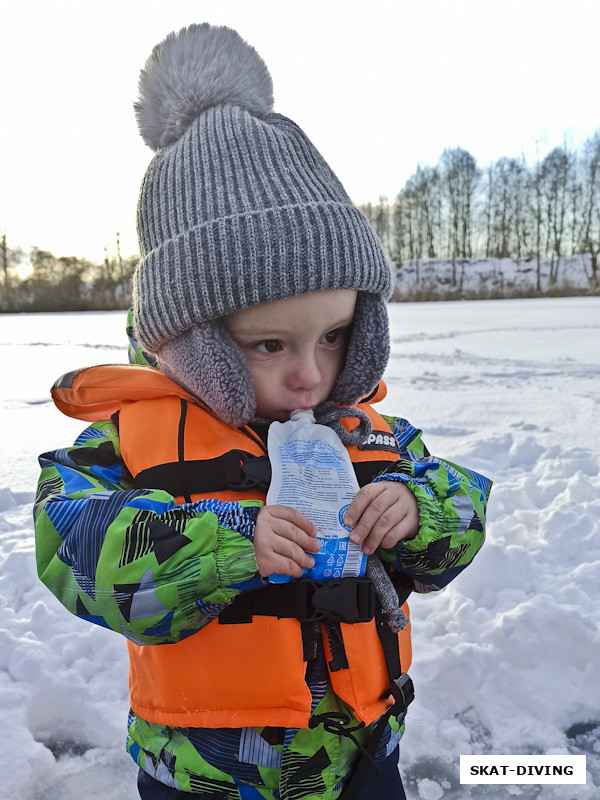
column 235, row 470
column 402, row 690
column 347, row 600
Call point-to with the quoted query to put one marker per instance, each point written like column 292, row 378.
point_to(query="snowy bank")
column 484, row 278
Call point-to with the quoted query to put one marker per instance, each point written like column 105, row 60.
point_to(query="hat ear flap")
column 368, row 350
column 205, row 361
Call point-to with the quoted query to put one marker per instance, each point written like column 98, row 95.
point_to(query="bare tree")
column 426, row 187
column 412, row 223
column 417, row 215
column 589, row 234
column 556, row 185
column 536, row 215
column 506, row 180
column 381, row 222
column 397, row 232
column 11, row 259
column 6, row 283
column 460, row 176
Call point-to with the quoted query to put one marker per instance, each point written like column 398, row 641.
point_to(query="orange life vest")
column 226, row 675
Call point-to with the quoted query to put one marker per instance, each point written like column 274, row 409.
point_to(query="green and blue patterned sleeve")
column 134, row 560
column 452, row 503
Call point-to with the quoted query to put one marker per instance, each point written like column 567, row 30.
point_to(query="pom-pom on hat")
column 238, row 209
column 193, row 70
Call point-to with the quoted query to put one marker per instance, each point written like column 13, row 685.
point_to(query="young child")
column 260, row 290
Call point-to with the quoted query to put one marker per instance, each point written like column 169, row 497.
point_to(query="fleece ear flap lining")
column 206, row 362
column 368, row 350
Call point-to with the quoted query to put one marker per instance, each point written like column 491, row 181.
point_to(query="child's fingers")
column 281, row 556
column 358, row 505
column 276, row 564
column 285, row 566
column 407, row 528
column 404, row 528
column 281, row 537
column 372, row 505
column 289, row 551
column 388, row 513
column 291, row 524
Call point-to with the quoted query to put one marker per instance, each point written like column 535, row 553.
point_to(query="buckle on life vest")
column 254, row 473
column 403, row 692
column 345, row 600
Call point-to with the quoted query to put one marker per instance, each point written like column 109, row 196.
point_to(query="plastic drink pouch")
column 312, row 472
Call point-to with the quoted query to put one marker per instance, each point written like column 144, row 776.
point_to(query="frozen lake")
column 505, row 659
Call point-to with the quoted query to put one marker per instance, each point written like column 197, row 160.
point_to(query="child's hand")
column 381, row 514
column 281, row 536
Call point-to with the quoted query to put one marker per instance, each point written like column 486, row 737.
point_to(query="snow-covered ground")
column 506, row 659
column 492, row 277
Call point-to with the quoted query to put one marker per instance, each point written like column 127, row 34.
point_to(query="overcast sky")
column 378, row 86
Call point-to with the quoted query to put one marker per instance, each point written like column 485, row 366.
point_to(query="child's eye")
column 331, row 337
column 268, row 346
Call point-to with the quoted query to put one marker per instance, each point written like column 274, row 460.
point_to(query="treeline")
column 457, row 211
column 453, row 212
column 52, row 283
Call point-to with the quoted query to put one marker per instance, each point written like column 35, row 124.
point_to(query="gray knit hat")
column 238, row 209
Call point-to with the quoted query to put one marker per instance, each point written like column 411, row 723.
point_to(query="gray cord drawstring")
column 375, row 571
column 330, row 414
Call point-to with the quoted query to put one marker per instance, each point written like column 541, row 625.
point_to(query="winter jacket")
column 189, row 561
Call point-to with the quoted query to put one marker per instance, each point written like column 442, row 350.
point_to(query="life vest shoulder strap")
column 234, row 470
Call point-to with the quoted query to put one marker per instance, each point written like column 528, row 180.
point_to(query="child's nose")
column 305, row 372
